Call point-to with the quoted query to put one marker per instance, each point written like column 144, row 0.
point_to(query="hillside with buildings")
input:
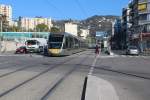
column 94, row 23
column 99, row 23
column 81, row 28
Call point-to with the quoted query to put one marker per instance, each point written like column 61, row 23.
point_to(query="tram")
column 61, row 44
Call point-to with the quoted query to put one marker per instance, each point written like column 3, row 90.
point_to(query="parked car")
column 21, row 49
column 132, row 50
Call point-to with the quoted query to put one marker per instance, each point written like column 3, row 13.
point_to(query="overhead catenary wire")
column 49, row 2
column 55, row 7
column 81, row 7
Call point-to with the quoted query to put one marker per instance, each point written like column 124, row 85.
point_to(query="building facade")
column 126, row 25
column 6, row 10
column 3, row 23
column 27, row 24
column 118, row 37
column 140, row 20
column 71, row 28
column 84, row 33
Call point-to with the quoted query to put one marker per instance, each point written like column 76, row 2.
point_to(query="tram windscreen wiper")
column 55, row 45
column 56, row 38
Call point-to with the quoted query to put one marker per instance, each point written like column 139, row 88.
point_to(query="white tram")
column 64, row 44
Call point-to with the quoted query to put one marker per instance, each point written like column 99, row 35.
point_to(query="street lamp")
column 1, row 30
column 141, row 37
column 1, row 24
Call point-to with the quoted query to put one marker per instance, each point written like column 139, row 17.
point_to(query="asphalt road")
column 130, row 76
column 34, row 77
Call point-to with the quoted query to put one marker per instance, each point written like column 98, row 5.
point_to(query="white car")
column 132, row 50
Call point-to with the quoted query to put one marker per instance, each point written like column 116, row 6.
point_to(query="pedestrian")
column 96, row 50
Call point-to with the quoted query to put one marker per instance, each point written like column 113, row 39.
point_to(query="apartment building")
column 117, row 38
column 71, row 28
column 140, row 19
column 126, row 25
column 84, row 33
column 6, row 10
column 27, row 24
column 3, row 23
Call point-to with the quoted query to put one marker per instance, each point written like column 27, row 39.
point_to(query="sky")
column 65, row 9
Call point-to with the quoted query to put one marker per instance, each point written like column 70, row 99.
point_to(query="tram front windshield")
column 55, row 41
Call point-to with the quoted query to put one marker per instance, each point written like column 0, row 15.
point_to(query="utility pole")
column 1, row 28
column 1, row 24
column 141, row 38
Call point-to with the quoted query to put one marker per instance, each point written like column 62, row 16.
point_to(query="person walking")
column 96, row 50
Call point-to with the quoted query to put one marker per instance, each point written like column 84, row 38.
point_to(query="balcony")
column 144, row 22
column 142, row 1
column 135, row 36
column 144, row 12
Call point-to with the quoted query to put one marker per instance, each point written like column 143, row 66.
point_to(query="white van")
column 35, row 44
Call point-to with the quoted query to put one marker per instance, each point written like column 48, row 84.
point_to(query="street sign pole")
column 1, row 28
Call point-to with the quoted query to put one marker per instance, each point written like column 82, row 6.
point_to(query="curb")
column 84, row 89
column 98, row 89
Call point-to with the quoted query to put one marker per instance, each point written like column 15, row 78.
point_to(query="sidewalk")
column 123, row 52
column 99, row 89
column 119, row 52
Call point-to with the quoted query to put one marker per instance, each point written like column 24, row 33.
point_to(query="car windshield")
column 132, row 47
column 31, row 42
column 22, row 47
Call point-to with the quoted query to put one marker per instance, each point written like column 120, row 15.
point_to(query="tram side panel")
column 67, row 46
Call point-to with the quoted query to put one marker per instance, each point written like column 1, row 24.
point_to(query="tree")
column 4, row 23
column 55, row 30
column 14, row 29
column 42, row 28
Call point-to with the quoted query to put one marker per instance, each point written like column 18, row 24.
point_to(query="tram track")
column 122, row 73
column 17, row 69
column 45, row 97
column 108, row 69
column 13, row 64
column 34, row 77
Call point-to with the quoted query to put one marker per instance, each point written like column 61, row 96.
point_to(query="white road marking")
column 21, row 55
column 93, row 65
column 5, row 62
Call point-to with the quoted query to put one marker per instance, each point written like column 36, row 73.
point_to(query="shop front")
column 145, row 41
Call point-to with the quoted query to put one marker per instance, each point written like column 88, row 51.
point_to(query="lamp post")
column 141, row 38
column 1, row 28
column 1, row 24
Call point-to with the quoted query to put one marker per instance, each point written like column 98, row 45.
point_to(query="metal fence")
column 9, row 41
column 22, row 35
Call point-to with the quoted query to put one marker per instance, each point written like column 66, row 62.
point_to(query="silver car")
column 132, row 50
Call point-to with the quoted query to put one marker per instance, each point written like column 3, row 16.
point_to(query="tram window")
column 64, row 44
column 67, row 42
column 70, row 42
column 76, row 43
